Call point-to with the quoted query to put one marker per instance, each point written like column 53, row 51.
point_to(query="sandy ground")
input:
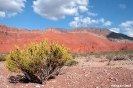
column 94, row 73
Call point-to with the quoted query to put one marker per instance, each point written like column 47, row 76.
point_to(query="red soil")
column 75, row 77
column 76, row 41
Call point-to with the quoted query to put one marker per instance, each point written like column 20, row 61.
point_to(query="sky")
column 115, row 15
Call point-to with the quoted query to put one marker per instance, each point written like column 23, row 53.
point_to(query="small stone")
column 54, row 81
column 100, row 86
column 86, row 75
column 6, row 86
column 38, row 86
column 97, row 77
column 26, row 85
column 42, row 85
column 113, row 79
column 117, row 73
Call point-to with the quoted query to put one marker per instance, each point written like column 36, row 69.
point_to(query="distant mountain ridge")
column 112, row 36
column 77, row 39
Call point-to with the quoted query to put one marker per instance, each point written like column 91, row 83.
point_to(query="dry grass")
column 2, row 57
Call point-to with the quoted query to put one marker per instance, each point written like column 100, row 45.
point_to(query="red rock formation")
column 76, row 41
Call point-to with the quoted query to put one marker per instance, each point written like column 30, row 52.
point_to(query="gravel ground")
column 81, row 76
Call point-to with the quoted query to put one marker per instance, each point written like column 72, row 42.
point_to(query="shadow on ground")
column 18, row 79
column 23, row 79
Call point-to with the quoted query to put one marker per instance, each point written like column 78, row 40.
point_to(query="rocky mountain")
column 112, row 36
column 77, row 40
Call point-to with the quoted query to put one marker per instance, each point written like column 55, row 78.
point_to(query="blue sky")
column 116, row 15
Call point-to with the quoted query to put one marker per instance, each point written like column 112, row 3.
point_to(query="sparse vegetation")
column 2, row 57
column 72, row 63
column 38, row 62
column 116, row 55
column 111, row 56
column 79, row 54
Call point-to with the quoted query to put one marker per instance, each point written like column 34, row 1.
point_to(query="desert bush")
column 72, row 63
column 2, row 57
column 38, row 62
column 110, row 57
column 130, row 56
column 121, row 57
column 74, row 55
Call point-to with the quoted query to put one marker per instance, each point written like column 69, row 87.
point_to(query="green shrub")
column 74, row 55
column 38, row 62
column 2, row 57
column 72, row 63
column 121, row 57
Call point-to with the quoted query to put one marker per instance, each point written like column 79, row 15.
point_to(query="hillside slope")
column 82, row 41
column 112, row 36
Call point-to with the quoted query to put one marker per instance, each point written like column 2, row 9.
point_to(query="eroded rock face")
column 77, row 41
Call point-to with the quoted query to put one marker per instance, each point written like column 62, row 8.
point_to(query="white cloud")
column 101, row 20
column 55, row 10
column 127, row 28
column 83, row 8
column 2, row 14
column 128, row 31
column 116, row 30
column 81, row 2
column 126, row 24
column 74, row 24
column 80, row 21
column 92, row 14
column 122, row 6
column 107, row 23
column 11, row 7
column 88, row 20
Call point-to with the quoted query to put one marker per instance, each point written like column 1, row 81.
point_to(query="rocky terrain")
column 78, row 40
column 94, row 73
